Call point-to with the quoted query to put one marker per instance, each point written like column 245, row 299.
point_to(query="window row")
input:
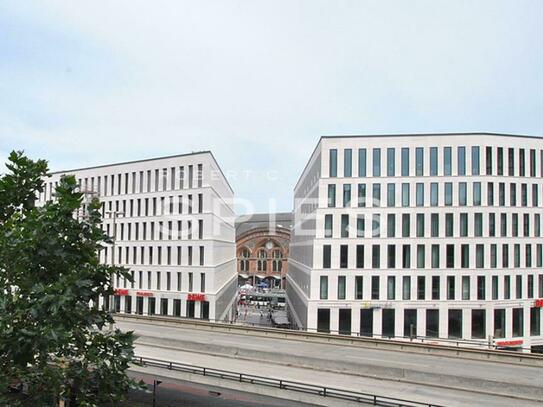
column 435, row 225
column 154, row 255
column 151, row 306
column 158, row 280
column 436, row 288
column 409, row 194
column 129, row 231
column 434, row 256
column 504, row 324
column 438, row 161
column 167, row 179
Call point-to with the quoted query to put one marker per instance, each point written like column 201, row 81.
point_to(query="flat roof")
column 146, row 160
column 408, row 135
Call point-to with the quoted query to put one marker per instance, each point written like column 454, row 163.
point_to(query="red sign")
column 121, row 291
column 196, row 297
column 144, row 294
column 517, row 342
column 538, row 303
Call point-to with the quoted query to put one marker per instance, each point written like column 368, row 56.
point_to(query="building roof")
column 246, row 223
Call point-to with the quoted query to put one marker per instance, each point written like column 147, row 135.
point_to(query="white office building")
column 173, row 226
column 436, row 236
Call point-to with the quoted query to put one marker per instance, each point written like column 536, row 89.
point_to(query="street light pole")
column 114, row 240
column 155, row 385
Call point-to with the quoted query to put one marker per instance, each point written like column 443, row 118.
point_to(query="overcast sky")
column 258, row 82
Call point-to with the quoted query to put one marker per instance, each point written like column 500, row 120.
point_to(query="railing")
column 323, row 391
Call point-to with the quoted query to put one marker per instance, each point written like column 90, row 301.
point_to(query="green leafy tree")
column 53, row 337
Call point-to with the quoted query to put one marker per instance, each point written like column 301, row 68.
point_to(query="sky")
column 259, row 82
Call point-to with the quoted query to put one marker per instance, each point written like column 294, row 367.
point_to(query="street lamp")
column 113, row 215
column 155, row 385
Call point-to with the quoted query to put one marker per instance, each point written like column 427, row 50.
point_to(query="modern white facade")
column 172, row 220
column 430, row 235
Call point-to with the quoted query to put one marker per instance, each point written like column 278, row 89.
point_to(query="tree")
column 52, row 333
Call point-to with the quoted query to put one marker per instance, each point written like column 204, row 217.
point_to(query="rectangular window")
column 326, row 256
column 507, row 287
column 518, row 287
column 358, row 287
column 434, row 217
column 432, row 323
column 478, row 221
column 461, row 160
column 406, row 225
column 391, row 195
column 476, row 193
column 435, row 288
column 450, row 288
column 448, row 194
column 376, row 256
column 361, row 162
column 490, row 194
column 481, row 288
column 360, row 225
column 376, row 225
column 488, row 160
column 479, row 256
column 391, row 288
column 420, row 194
column 521, row 163
column 376, row 162
column 449, row 256
column 333, row 163
column 535, row 321
column 420, row 256
column 421, row 288
column 327, row 225
column 406, row 287
column 435, row 256
column 391, row 165
column 391, row 225
column 420, row 225
column 495, row 288
column 405, row 162
column 361, row 195
column 419, row 161
column 518, row 322
column 391, row 256
column 375, row 287
column 341, row 289
column 466, row 291
column 433, row 161
column 376, row 195
column 406, row 256
column 434, row 194
column 331, row 196
column 405, row 194
column 343, row 256
column 359, row 256
column 324, row 287
column 475, row 160
column 455, row 323
column 478, row 323
column 346, row 195
column 462, row 194
column 447, row 161
column 347, row 162
column 464, row 256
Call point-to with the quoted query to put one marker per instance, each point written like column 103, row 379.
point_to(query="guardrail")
column 324, row 391
column 368, row 342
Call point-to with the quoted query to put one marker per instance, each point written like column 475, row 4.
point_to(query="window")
column 481, row 288
column 420, row 194
column 361, row 162
column 479, row 256
column 466, row 291
column 360, row 226
column 331, row 196
column 344, row 225
column 326, row 256
column 464, row 256
column 447, row 161
column 359, row 256
column 375, row 287
column 376, row 192
column 421, row 288
column 495, row 287
column 405, row 162
column 500, row 160
column 348, row 162
column 406, row 225
column 535, row 321
column 488, row 160
column 448, row 194
column 476, row 193
column 376, row 225
column 435, row 256
column 391, row 195
column 435, row 288
column 521, row 163
column 511, row 161
column 376, row 162
column 449, row 255
column 341, row 288
column 419, row 161
column 333, row 163
column 391, row 225
column 518, row 322
column 405, row 194
column 518, row 287
column 490, row 194
column 346, row 195
column 324, row 287
column 361, row 195
column 433, row 161
column 455, row 323
column 461, row 160
column 406, row 256
column 462, row 194
column 358, row 287
column 376, row 256
column 391, row 256
column 406, row 287
column 420, row 225
column 478, row 220
column 391, row 288
column 450, row 288
column 434, row 221
column 434, row 193
column 432, row 323
column 420, row 256
column 475, row 160
column 327, row 225
column 391, row 165
column 343, row 256
column 499, row 323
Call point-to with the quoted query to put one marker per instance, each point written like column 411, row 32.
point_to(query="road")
column 358, row 369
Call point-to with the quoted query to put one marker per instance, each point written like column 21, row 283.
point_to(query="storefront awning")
column 243, row 275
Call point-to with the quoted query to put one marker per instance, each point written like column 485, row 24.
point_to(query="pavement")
column 418, row 377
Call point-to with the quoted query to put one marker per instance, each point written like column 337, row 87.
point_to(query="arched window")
column 262, row 260
column 277, row 262
column 244, row 262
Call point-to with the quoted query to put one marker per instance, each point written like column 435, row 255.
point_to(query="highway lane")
column 252, row 346
column 421, row 393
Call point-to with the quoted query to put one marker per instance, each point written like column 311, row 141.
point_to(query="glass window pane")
column 391, row 165
column 376, row 162
column 419, row 158
column 333, row 163
column 361, row 162
column 405, row 162
column 348, row 162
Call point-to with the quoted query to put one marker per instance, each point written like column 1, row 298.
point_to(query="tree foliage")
column 51, row 338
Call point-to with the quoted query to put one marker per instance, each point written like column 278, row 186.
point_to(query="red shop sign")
column 517, row 342
column 538, row 303
column 121, row 291
column 196, row 297
column 144, row 294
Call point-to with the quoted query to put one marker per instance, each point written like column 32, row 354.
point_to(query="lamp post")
column 155, row 385
column 113, row 215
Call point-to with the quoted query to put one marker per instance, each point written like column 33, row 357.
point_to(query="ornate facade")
column 262, row 244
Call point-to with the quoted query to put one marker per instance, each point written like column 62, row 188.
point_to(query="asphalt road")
column 179, row 394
